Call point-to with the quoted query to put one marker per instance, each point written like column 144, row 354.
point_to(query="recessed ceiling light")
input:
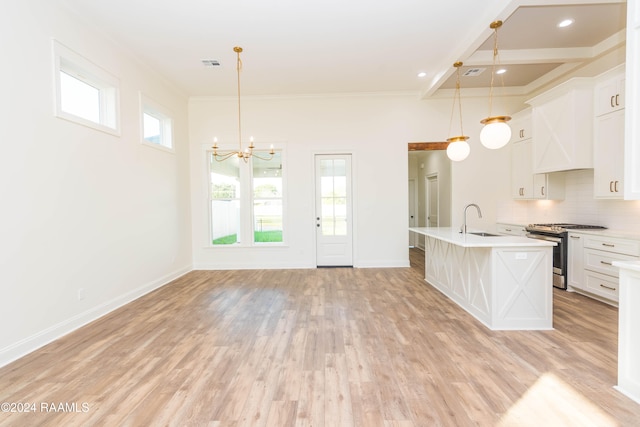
column 501, row 71
column 422, row 74
column 565, row 23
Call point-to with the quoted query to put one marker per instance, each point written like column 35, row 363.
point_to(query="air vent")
column 472, row 72
column 210, row 63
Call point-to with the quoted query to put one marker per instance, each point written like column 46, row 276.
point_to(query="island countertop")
column 468, row 240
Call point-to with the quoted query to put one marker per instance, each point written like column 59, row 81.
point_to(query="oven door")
column 559, row 258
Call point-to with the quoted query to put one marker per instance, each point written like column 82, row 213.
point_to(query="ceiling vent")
column 210, row 63
column 472, row 72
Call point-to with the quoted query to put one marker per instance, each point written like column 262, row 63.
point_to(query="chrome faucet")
column 463, row 229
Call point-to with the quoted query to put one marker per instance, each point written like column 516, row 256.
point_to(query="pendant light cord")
column 238, row 68
column 456, row 96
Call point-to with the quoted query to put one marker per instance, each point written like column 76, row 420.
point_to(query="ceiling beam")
column 427, row 146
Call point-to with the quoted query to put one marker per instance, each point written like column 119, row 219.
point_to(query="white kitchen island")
column 506, row 282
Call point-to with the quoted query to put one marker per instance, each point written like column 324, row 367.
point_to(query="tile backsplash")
column 579, row 207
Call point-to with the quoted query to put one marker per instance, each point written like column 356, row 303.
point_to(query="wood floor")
column 325, row 347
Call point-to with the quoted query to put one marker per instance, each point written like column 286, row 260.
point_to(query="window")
column 267, row 200
column 85, row 93
column 157, row 127
column 246, row 201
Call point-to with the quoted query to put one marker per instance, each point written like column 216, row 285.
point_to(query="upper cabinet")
column 525, row 184
column 632, row 104
column 608, row 143
column 521, row 163
column 562, row 127
column 610, row 94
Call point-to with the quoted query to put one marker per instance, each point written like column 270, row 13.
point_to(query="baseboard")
column 383, row 264
column 29, row 344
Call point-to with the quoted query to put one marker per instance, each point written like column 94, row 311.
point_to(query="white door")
column 334, row 240
column 432, row 200
column 412, row 211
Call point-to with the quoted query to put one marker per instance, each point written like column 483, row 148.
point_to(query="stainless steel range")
column 557, row 233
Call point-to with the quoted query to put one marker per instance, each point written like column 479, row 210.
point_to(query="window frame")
column 164, row 116
column 247, row 217
column 75, row 65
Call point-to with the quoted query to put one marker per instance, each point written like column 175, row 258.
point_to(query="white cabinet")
column 525, row 184
column 521, row 125
column 608, row 143
column 511, row 229
column 521, row 170
column 632, row 104
column 562, row 130
column 610, row 94
column 575, row 261
column 548, row 186
column 608, row 156
column 521, row 162
column 628, row 336
column 600, row 277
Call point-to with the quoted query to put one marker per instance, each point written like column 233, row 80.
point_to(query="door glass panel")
column 333, row 190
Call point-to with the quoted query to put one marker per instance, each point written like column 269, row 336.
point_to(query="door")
column 412, row 211
column 334, row 240
column 432, row 200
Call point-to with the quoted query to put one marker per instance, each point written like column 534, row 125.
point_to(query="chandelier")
column 458, row 148
column 250, row 151
column 496, row 132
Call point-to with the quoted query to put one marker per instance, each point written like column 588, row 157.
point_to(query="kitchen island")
column 503, row 281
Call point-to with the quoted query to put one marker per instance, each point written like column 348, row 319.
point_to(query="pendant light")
column 496, row 133
column 250, row 151
column 458, row 148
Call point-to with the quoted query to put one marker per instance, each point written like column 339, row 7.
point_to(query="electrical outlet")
column 80, row 294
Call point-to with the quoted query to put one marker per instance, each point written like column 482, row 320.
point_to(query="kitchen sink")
column 484, row 234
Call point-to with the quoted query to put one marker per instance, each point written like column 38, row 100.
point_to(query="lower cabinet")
column 511, row 229
column 575, row 261
column 591, row 270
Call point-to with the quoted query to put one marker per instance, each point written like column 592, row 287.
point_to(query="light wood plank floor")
column 325, row 347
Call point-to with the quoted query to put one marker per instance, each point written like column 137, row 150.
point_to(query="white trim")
column 65, row 59
column 246, row 225
column 52, row 333
column 165, row 116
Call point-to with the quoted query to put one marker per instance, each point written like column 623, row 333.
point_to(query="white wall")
column 81, row 209
column 375, row 128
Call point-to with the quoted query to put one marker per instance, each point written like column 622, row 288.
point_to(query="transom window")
column 157, row 125
column 85, row 93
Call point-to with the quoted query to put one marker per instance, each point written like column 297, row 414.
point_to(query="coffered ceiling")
column 337, row 46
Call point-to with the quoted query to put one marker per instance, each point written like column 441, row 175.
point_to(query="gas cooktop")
column 561, row 227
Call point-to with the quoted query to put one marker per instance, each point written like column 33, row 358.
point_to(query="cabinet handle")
column 617, row 95
column 542, row 190
column 609, row 245
column 521, row 133
column 607, row 287
column 611, row 101
column 507, row 229
column 605, row 263
column 575, row 237
column 610, row 186
column 615, row 186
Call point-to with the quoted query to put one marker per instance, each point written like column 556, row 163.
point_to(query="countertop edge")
column 453, row 236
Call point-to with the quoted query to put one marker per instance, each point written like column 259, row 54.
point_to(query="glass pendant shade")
column 458, row 148
column 496, row 133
